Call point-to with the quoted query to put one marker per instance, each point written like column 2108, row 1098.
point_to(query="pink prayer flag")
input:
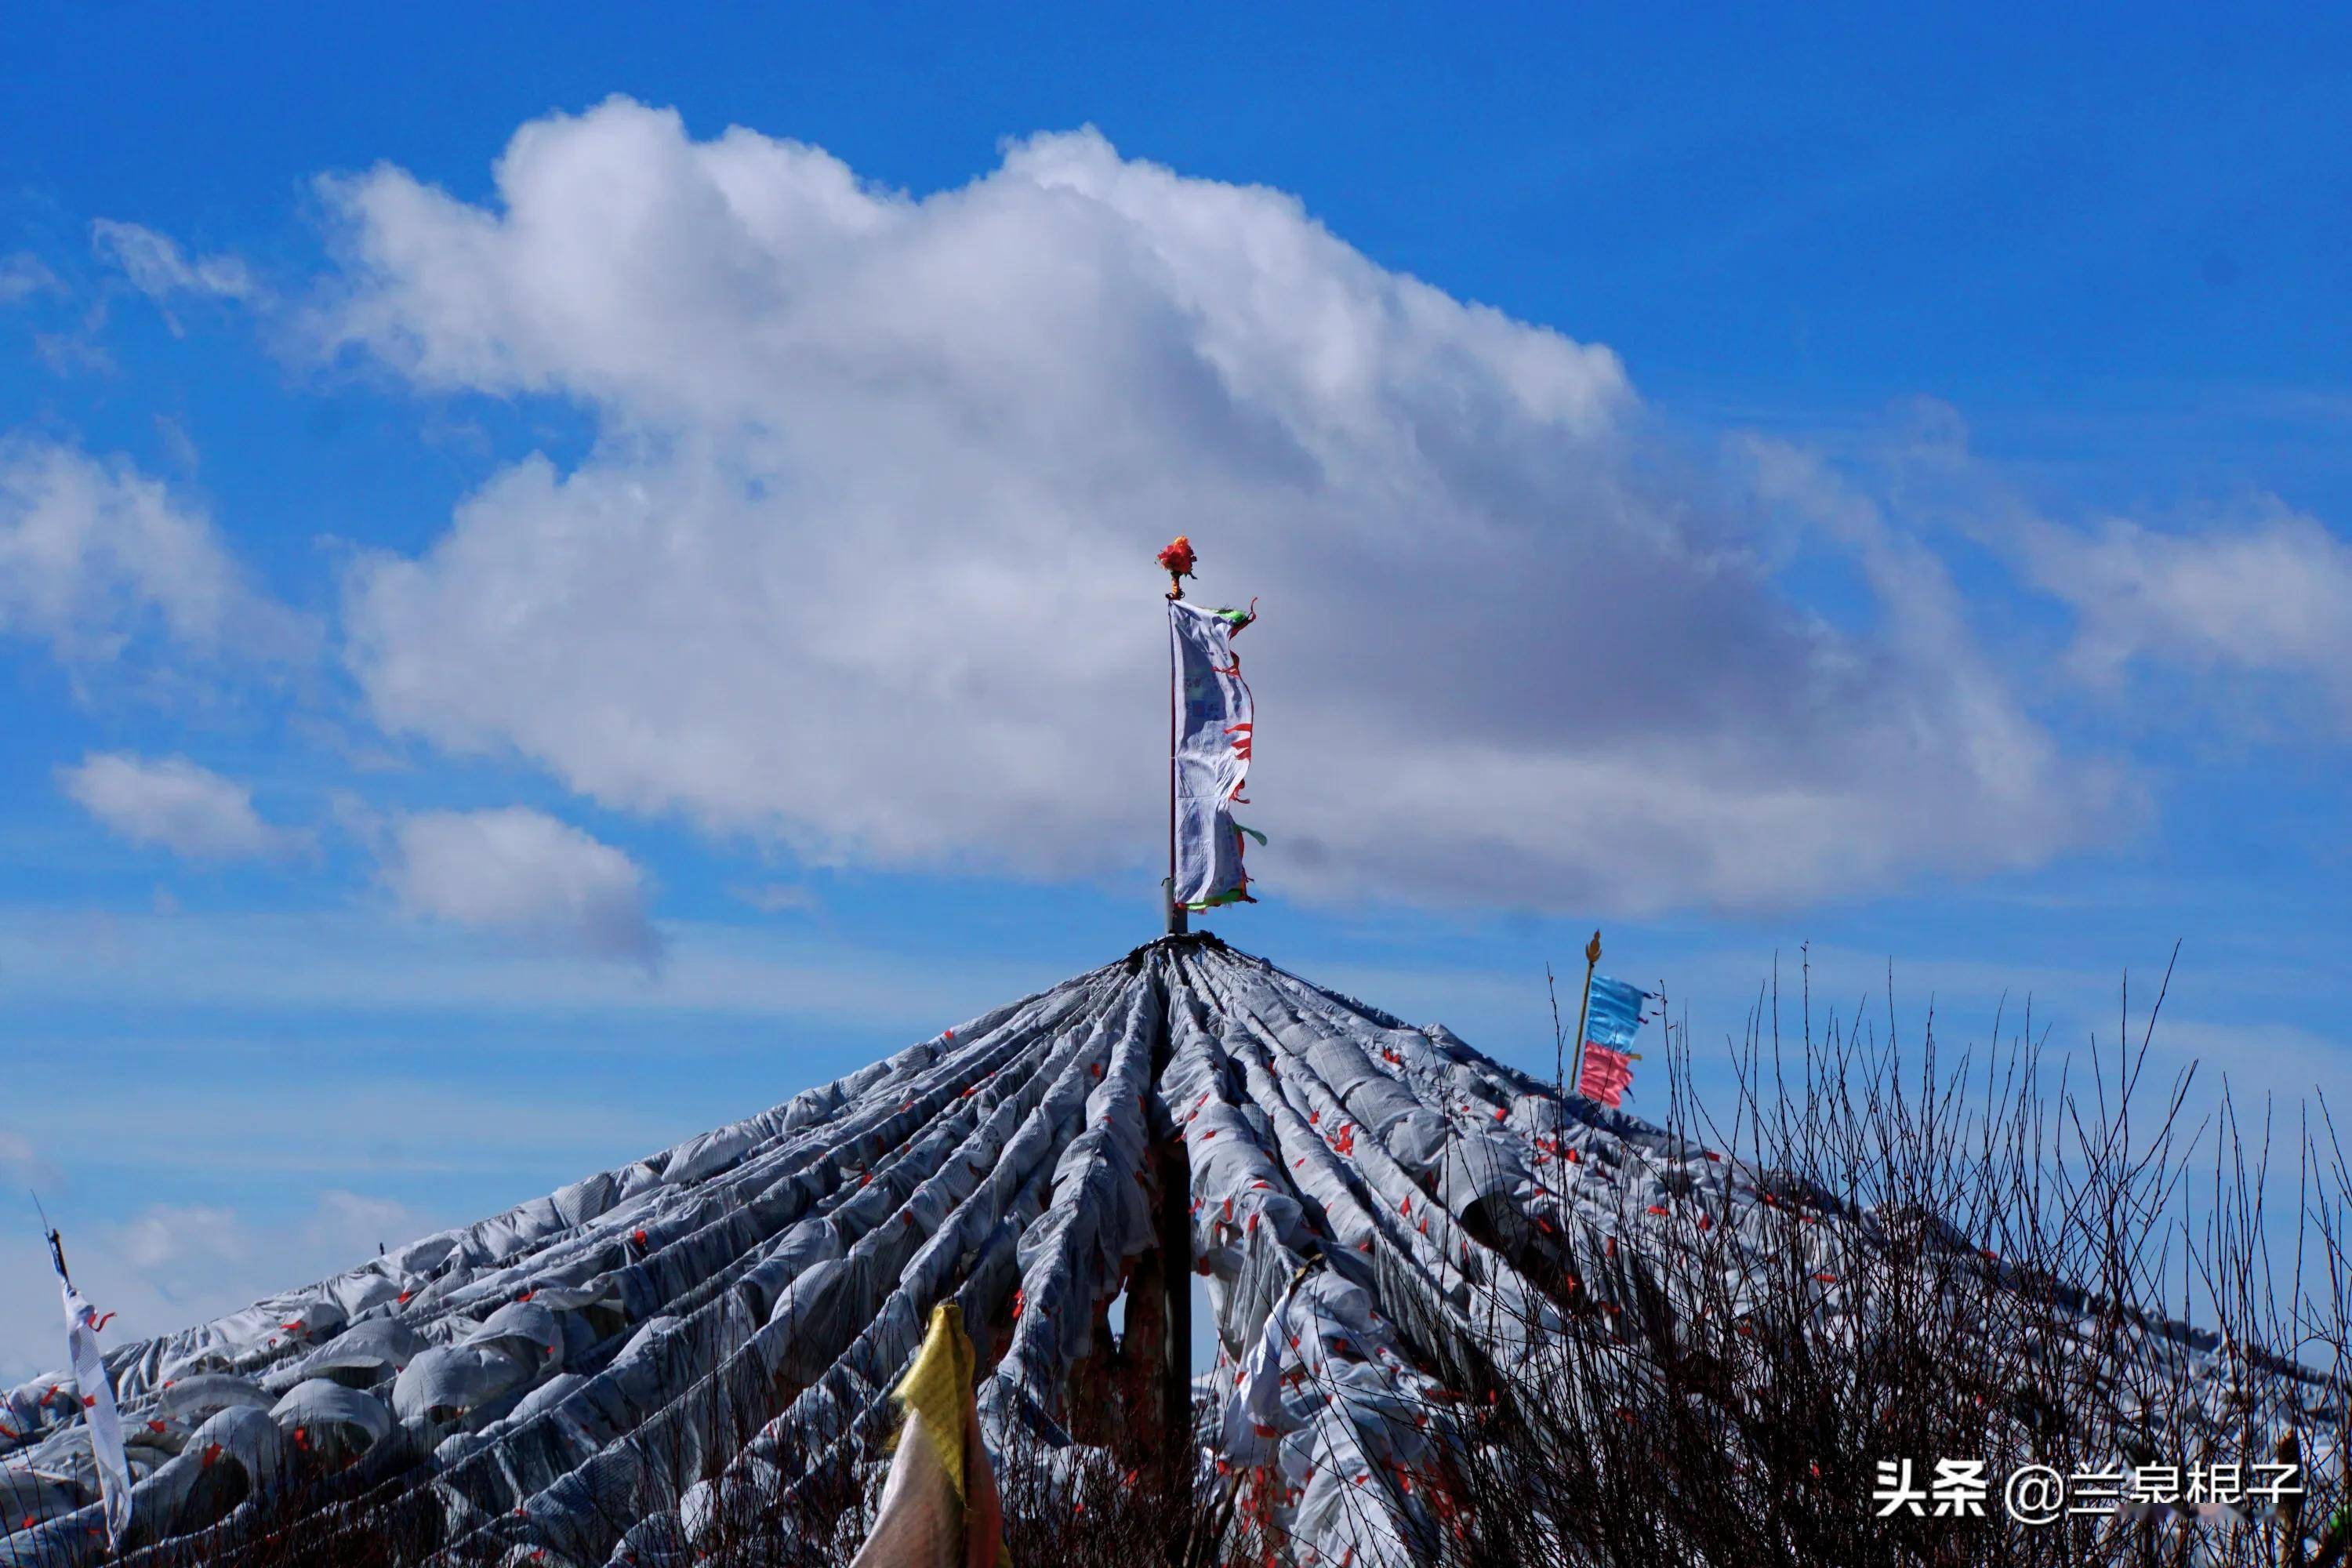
column 1607, row 1075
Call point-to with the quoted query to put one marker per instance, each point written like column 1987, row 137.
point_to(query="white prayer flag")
column 1212, row 755
column 98, row 1408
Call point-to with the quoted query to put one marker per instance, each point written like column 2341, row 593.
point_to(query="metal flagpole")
column 1177, row 923
column 1173, row 1164
column 1584, row 1008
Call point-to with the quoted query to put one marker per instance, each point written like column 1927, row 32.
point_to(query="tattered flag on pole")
column 1212, row 755
column 1613, row 1012
column 97, row 1391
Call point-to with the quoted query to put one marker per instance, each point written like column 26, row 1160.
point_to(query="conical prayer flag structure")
column 627, row 1370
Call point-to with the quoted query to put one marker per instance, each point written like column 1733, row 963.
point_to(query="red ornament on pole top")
column 1177, row 561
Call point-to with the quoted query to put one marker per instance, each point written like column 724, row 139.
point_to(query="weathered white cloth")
column 1212, row 754
column 98, row 1410
column 1254, row 1422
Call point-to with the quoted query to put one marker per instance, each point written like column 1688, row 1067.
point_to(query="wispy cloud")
column 24, row 275
column 778, row 898
column 96, row 558
column 2259, row 595
column 522, row 871
column 173, row 803
column 156, row 266
column 357, row 1126
column 17, row 1159
column 351, row 959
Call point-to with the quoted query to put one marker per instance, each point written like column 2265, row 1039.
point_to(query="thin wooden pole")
column 1559, row 1037
column 1584, row 1008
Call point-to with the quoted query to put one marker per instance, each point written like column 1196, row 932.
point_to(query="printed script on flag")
column 1212, row 755
column 1612, row 1020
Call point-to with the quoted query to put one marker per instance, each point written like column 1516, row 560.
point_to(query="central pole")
column 1171, row 1162
column 1176, row 922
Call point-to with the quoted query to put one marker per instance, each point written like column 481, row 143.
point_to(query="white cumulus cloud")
column 861, row 561
column 520, row 870
column 176, row 804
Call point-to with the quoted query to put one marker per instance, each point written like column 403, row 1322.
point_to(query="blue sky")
column 532, row 622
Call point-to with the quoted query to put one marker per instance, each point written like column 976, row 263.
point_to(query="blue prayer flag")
column 1613, row 1012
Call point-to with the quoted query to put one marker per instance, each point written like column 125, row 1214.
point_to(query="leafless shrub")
column 1956, row 1263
